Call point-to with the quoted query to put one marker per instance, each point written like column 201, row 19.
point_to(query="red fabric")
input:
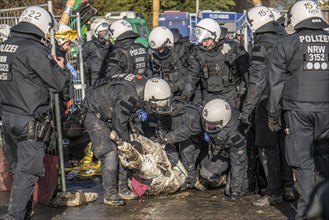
column 46, row 186
column 139, row 187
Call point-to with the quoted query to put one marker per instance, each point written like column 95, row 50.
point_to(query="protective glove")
column 244, row 123
column 206, row 137
column 142, row 115
column 274, row 124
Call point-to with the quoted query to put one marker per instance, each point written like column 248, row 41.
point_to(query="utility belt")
column 38, row 129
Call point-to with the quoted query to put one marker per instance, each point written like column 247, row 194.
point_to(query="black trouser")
column 189, row 153
column 271, row 148
column 105, row 150
column 25, row 159
column 305, row 129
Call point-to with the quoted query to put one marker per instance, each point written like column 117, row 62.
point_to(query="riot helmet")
column 206, row 29
column 37, row 21
column 306, row 14
column 157, row 96
column 277, row 16
column 261, row 19
column 161, row 41
column 121, row 29
column 101, row 30
column 215, row 115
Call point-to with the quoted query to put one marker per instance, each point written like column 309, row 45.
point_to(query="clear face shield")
column 201, row 35
column 161, row 106
column 212, row 127
column 164, row 51
column 105, row 35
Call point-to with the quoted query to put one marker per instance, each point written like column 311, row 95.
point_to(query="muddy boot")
column 289, row 193
column 114, row 200
column 269, row 200
column 127, row 194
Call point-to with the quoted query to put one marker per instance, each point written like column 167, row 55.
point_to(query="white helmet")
column 215, row 115
column 306, row 14
column 101, row 26
column 157, row 93
column 258, row 17
column 161, row 38
column 62, row 28
column 121, row 29
column 40, row 18
column 4, row 32
column 205, row 29
column 277, row 15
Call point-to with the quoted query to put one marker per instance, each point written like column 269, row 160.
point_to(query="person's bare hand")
column 60, row 61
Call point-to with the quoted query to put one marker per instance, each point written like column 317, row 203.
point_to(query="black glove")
column 244, row 124
column 274, row 124
column 178, row 107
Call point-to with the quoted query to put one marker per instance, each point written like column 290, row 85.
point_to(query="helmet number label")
column 262, row 13
column 28, row 15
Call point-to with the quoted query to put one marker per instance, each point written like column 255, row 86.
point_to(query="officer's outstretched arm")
column 48, row 70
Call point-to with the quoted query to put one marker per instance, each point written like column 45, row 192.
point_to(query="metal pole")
column 245, row 32
column 82, row 74
column 58, row 114
column 156, row 9
column 197, row 6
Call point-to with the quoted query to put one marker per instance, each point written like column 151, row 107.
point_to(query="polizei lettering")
column 314, row 39
column 8, row 48
column 138, row 51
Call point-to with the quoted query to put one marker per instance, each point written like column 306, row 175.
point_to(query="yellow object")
column 69, row 35
column 86, row 166
column 156, row 9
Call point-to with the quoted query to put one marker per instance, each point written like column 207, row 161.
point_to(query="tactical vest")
column 137, row 59
column 101, row 99
column 216, row 69
column 171, row 69
column 310, row 79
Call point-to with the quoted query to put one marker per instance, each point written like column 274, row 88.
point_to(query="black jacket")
column 116, row 100
column 257, row 72
column 31, row 73
column 298, row 76
column 128, row 57
column 95, row 53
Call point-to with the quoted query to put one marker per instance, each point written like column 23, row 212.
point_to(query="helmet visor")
column 200, row 35
column 161, row 106
column 212, row 127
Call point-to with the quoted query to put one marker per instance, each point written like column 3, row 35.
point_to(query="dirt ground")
column 190, row 204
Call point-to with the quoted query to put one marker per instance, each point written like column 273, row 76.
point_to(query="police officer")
column 169, row 58
column 266, row 33
column 28, row 73
column 227, row 148
column 112, row 105
column 128, row 56
column 219, row 63
column 95, row 52
column 298, row 83
column 188, row 132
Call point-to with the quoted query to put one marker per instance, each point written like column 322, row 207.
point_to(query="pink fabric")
column 139, row 187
